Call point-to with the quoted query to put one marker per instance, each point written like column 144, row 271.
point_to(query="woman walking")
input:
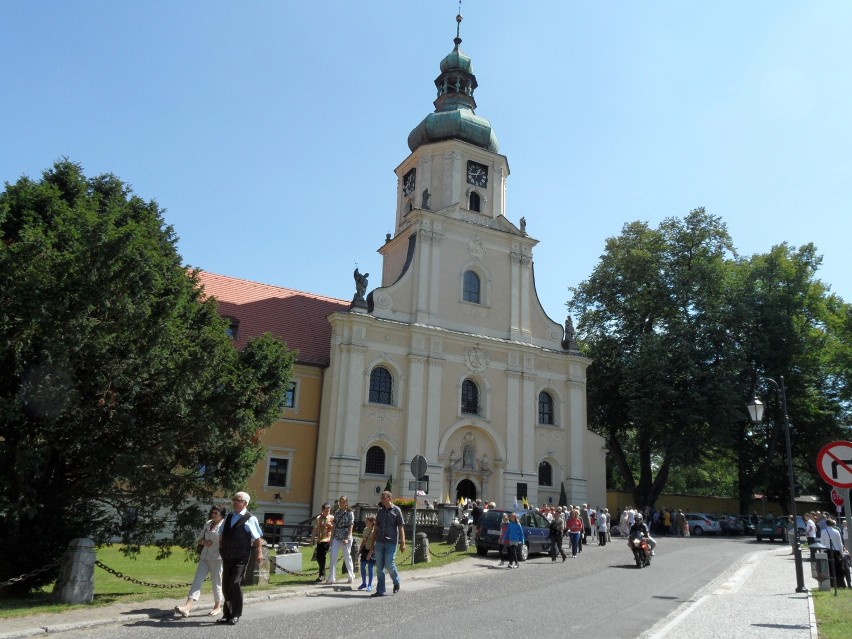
column 515, row 537
column 209, row 562
column 575, row 529
column 341, row 539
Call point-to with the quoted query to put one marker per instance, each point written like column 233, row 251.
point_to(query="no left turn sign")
column 834, row 463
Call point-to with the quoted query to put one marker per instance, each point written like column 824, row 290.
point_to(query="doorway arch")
column 467, row 489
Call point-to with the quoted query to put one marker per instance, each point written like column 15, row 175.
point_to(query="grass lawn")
column 177, row 571
column 833, row 614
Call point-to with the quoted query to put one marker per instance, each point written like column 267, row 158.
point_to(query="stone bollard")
column 421, row 549
column 462, row 544
column 456, row 530
column 355, row 553
column 257, row 572
column 76, row 582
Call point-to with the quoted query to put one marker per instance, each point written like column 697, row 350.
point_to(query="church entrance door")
column 466, row 489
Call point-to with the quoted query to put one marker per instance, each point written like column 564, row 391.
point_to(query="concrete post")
column 76, row 582
column 257, row 572
column 421, row 549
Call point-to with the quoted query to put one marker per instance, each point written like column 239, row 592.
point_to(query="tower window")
column 471, row 287
column 375, row 462
column 545, row 408
column 470, row 397
column 474, row 203
column 381, row 386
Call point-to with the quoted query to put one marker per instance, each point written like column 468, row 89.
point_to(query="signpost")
column 419, row 468
column 834, row 463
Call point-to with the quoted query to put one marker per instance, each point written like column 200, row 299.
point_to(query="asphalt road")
column 601, row 594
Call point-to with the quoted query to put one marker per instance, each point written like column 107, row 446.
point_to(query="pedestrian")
column 557, row 531
column 341, row 539
column 323, row 529
column 209, row 562
column 587, row 523
column 502, row 542
column 831, row 538
column 368, row 562
column 575, row 529
column 388, row 531
column 603, row 526
column 240, row 532
column 667, row 521
column 680, row 524
column 515, row 537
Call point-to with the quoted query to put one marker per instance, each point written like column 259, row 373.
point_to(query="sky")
column 269, row 131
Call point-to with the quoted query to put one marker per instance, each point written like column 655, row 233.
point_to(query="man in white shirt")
column 240, row 532
column 831, row 537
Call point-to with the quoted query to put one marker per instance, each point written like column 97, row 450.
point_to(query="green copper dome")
column 455, row 117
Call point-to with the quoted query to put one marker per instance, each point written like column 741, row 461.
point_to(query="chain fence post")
column 76, row 581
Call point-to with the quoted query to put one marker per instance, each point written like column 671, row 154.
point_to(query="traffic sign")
column 836, row 497
column 834, row 463
column 419, row 466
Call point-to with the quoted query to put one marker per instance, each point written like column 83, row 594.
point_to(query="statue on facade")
column 524, row 225
column 483, row 464
column 424, row 200
column 360, row 289
column 568, row 342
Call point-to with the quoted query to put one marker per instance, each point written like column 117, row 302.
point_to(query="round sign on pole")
column 419, row 467
column 836, row 497
column 834, row 463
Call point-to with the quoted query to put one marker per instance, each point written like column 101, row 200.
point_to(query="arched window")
column 375, row 462
column 474, row 204
column 545, row 408
column 381, row 386
column 470, row 397
column 470, row 292
column 545, row 474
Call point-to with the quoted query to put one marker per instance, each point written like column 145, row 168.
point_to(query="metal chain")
column 138, row 582
column 29, row 575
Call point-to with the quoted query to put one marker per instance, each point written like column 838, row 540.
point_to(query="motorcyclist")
column 639, row 527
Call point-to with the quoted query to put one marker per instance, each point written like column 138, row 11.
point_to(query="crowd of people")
column 226, row 542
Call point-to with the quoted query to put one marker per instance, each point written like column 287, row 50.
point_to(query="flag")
column 447, row 498
column 526, row 503
column 516, row 503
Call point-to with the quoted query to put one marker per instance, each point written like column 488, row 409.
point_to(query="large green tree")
column 683, row 332
column 123, row 402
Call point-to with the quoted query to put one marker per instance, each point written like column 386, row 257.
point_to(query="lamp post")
column 755, row 411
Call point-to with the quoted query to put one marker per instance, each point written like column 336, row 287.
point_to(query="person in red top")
column 574, row 526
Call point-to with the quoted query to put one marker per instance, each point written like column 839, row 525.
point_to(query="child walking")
column 368, row 562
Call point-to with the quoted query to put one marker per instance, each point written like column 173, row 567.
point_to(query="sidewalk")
column 756, row 598
column 43, row 624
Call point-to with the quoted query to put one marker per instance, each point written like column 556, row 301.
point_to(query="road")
column 601, row 594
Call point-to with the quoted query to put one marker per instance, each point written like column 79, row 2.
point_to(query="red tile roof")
column 297, row 317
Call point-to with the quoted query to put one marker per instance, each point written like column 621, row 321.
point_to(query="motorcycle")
column 641, row 550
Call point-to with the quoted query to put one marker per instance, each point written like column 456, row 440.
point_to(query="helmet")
column 638, row 517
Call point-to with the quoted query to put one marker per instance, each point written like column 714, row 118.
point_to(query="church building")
column 452, row 356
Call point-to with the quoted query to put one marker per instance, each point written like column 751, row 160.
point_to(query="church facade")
column 452, row 356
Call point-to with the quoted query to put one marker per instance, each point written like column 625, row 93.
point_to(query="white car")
column 702, row 524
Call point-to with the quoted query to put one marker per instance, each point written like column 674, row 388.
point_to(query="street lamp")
column 755, row 411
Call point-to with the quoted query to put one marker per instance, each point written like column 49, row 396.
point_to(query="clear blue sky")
column 269, row 131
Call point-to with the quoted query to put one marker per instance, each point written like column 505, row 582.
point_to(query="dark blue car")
column 536, row 532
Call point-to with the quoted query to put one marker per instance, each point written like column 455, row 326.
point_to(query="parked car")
column 748, row 526
column 772, row 528
column 536, row 532
column 730, row 524
column 702, row 524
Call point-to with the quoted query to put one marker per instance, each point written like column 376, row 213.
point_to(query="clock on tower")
column 477, row 174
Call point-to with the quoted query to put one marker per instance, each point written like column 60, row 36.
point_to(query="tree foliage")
column 682, row 333
column 122, row 400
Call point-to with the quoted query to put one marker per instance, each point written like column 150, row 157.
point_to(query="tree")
column 389, row 483
column 682, row 333
column 563, row 496
column 650, row 318
column 123, row 403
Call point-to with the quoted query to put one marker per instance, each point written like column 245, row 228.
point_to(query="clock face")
column 408, row 183
column 477, row 174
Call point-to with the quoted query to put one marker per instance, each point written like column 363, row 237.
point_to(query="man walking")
column 240, row 532
column 387, row 532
